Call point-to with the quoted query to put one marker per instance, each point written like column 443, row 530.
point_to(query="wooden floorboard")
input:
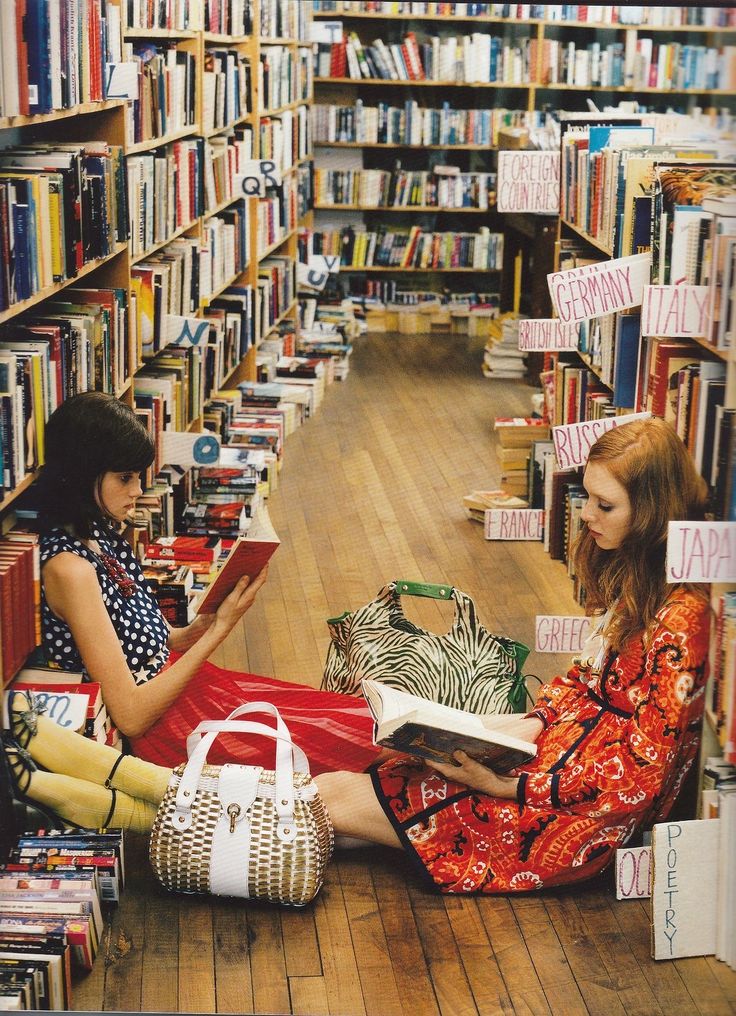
column 370, row 491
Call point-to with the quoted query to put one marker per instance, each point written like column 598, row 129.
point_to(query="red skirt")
column 334, row 731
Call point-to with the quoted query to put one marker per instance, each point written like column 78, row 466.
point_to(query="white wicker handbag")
column 236, row 830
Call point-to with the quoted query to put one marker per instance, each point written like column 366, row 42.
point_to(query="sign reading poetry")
column 591, row 290
column 528, row 182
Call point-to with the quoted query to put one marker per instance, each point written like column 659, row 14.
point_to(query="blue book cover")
column 625, row 365
column 39, row 57
column 21, row 252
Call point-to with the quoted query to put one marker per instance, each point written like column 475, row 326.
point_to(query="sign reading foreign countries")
column 514, row 523
column 573, row 441
column 701, row 552
column 528, row 182
column 560, row 634
column 579, row 294
column 676, row 311
column 547, row 335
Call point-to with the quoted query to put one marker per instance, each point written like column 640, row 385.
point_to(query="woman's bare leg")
column 354, row 809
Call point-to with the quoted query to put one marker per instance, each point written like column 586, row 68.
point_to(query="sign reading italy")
column 676, row 311
column 547, row 335
column 528, row 182
column 592, row 290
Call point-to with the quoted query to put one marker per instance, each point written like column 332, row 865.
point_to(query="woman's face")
column 117, row 494
column 608, row 509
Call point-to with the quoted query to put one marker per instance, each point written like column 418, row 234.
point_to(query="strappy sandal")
column 19, row 765
column 25, row 707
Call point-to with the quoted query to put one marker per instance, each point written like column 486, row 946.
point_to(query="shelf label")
column 556, row 634
column 701, row 552
column 591, row 290
column 121, row 80
column 256, row 177
column 528, row 182
column 180, row 448
column 573, row 441
column 678, row 312
column 547, row 335
column 514, row 523
column 185, row 331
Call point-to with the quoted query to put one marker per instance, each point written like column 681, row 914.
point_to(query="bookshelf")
column 201, row 114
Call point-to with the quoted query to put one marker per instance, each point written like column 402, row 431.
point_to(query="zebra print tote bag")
column 468, row 668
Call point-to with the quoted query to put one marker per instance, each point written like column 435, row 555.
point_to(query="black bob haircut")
column 90, row 434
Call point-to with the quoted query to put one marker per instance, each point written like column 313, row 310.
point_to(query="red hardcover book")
column 248, row 556
column 413, row 59
column 185, row 548
column 22, row 47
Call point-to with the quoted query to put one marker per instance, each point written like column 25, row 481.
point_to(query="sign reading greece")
column 701, row 552
column 591, row 290
column 547, row 335
column 573, row 441
column 256, row 176
column 185, row 331
column 560, row 634
column 676, row 311
column 514, row 523
column 528, row 182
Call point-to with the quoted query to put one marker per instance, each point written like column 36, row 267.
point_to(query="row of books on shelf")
column 165, row 192
column 604, row 14
column 166, row 101
column 465, row 59
column 441, row 187
column 416, row 249
column 65, row 698
column 284, row 76
column 722, row 703
column 278, row 212
column 280, row 19
column 62, row 206
column 55, row 892
column 502, row 357
column 412, row 124
column 55, row 56
column 285, row 138
column 218, row 17
column 226, row 88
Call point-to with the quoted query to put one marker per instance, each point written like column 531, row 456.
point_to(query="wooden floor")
column 371, row 491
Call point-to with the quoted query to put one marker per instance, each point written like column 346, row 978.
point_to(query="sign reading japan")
column 514, row 523
column 573, row 441
column 701, row 552
column 528, row 182
column 592, row 290
column 547, row 335
column 676, row 311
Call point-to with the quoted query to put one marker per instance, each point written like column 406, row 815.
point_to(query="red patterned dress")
column 615, row 749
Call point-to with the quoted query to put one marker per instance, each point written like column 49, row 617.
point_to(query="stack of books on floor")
column 477, row 502
column 502, row 357
column 53, row 888
column 516, row 435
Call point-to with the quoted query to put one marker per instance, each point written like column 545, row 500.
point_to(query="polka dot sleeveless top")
column 137, row 619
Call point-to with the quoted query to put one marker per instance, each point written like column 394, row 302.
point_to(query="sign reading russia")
column 528, row 182
column 592, row 290
column 701, row 552
column 573, row 441
column 676, row 311
column 547, row 335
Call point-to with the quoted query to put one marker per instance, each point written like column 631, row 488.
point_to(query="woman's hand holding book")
column 477, row 776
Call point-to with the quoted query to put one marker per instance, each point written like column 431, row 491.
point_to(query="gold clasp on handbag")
column 233, row 811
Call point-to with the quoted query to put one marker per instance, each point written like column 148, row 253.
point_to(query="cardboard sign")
column 310, row 278
column 555, row 634
column 633, row 873
column 684, row 888
column 185, row 331
column 573, row 441
column 676, row 311
column 325, row 263
column 325, row 31
column 547, row 335
column 187, row 450
column 256, row 177
column 591, row 290
column 528, row 182
column 514, row 523
column 701, row 552
column 121, row 80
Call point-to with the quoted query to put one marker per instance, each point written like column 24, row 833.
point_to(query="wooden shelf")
column 43, row 294
column 146, row 146
column 422, row 84
column 206, row 301
column 275, row 41
column 225, row 203
column 24, row 484
column 85, row 108
column 212, row 131
column 633, row 90
column 213, row 39
column 400, row 208
column 158, row 33
column 417, row 271
column 588, row 238
column 402, row 144
column 276, row 244
column 169, row 239
column 282, row 317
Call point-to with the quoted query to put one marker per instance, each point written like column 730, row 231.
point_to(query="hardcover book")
column 248, row 556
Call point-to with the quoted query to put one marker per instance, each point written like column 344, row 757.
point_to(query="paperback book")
column 248, row 556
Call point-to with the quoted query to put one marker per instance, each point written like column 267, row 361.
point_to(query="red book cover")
column 185, row 548
column 412, row 57
column 248, row 556
column 89, row 688
column 21, row 572
column 22, row 47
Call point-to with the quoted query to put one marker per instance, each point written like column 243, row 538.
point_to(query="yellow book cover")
column 56, row 229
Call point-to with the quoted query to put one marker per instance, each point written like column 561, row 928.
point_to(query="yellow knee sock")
column 88, row 804
column 64, row 751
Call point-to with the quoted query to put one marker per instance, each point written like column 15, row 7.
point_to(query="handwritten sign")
column 684, row 888
column 185, row 331
column 514, row 523
column 182, row 449
column 560, row 634
column 324, row 263
column 121, row 80
column 547, row 334
column 676, row 311
column 528, row 182
column 591, row 290
column 573, row 441
column 67, row 709
column 256, row 176
column 701, row 552
column 633, row 873
column 310, row 278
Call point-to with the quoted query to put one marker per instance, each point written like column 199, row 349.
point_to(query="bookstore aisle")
column 372, row 490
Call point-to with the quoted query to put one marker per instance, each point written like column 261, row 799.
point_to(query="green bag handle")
column 404, row 588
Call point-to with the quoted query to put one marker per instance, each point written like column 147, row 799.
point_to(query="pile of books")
column 502, row 357
column 53, row 887
column 173, row 566
column 477, row 502
column 516, row 436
